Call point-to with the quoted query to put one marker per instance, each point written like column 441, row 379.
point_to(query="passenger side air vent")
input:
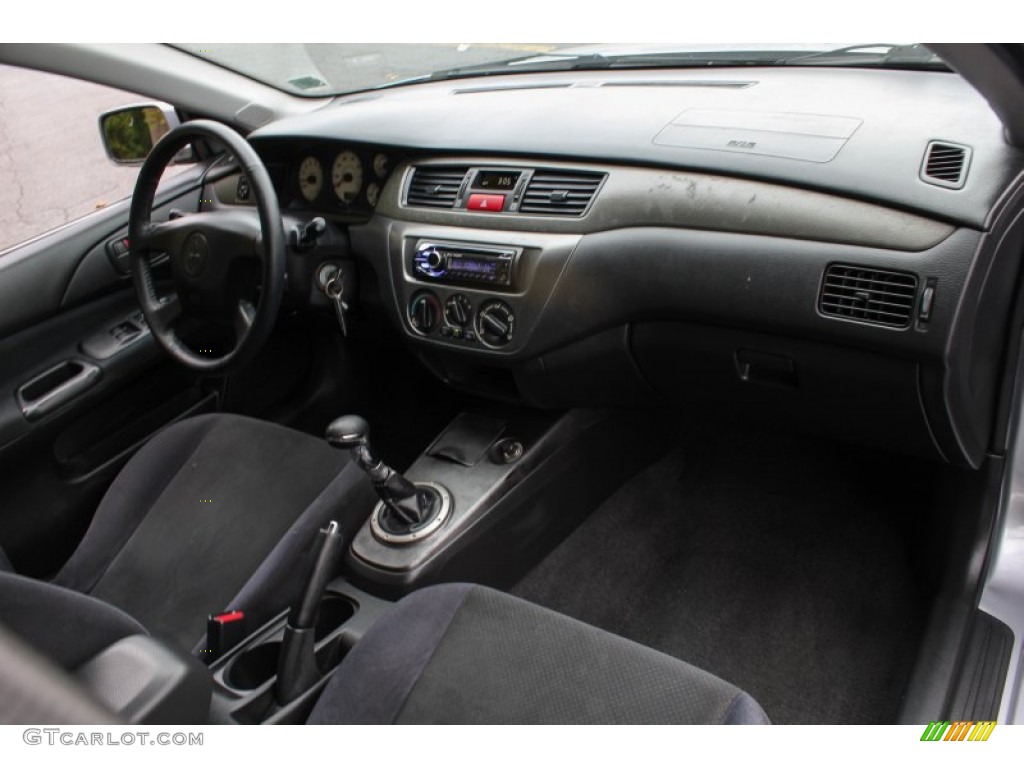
column 868, row 295
column 945, row 165
column 435, row 186
column 560, row 193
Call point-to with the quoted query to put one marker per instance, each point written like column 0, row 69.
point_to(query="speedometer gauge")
column 347, row 176
column 311, row 178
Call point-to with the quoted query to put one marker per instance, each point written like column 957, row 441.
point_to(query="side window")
column 53, row 167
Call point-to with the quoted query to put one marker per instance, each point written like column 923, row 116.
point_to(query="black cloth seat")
column 216, row 512
column 471, row 655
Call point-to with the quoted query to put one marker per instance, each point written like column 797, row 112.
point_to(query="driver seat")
column 214, row 513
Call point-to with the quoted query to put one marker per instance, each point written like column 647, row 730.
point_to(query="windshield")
column 321, row 69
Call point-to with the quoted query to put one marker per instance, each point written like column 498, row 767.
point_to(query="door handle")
column 55, row 387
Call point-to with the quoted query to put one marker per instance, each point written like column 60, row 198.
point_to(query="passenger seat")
column 459, row 653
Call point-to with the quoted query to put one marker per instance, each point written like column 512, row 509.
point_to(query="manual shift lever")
column 409, row 504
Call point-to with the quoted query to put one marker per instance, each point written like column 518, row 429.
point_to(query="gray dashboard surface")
column 877, row 125
column 637, row 197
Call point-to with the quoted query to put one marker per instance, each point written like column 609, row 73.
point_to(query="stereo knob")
column 429, row 261
column 495, row 323
column 424, row 312
column 458, row 310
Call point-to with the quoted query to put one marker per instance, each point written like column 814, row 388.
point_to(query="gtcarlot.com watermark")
column 74, row 738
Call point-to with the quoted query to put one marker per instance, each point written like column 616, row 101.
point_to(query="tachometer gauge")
column 373, row 194
column 347, row 176
column 381, row 165
column 311, row 178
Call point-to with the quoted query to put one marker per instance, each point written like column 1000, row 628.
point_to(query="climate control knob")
column 458, row 310
column 495, row 323
column 424, row 312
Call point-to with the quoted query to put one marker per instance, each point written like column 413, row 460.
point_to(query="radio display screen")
column 468, row 264
column 497, row 180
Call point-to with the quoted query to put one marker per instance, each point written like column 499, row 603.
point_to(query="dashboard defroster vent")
column 945, row 165
column 436, row 186
column 560, row 193
column 868, row 295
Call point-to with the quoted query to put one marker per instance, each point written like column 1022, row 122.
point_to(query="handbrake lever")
column 297, row 670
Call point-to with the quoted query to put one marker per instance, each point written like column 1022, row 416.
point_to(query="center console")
column 513, row 484
column 245, row 680
column 486, row 500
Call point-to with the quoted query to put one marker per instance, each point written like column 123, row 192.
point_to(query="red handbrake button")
column 481, row 202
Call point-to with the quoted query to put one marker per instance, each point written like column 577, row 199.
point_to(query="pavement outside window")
column 53, row 168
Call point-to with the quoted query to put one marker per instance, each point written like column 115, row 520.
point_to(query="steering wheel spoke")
column 244, row 316
column 166, row 312
column 159, row 236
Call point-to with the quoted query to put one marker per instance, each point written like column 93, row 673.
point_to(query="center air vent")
column 945, row 165
column 436, row 186
column 560, row 193
column 868, row 295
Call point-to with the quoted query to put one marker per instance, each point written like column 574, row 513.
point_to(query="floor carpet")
column 776, row 563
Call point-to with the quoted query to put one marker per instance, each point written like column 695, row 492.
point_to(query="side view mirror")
column 130, row 132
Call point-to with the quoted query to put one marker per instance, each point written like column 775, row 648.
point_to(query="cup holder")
column 334, row 611
column 253, row 667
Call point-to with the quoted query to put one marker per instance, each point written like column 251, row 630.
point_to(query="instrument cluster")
column 332, row 178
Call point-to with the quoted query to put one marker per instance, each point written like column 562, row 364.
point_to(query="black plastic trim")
column 983, row 670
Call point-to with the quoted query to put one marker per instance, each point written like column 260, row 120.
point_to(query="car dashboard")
column 826, row 249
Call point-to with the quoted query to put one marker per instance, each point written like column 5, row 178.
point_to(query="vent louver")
column 868, row 295
column 436, row 186
column 560, row 193
column 945, row 165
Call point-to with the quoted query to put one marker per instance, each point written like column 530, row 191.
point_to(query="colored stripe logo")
column 960, row 730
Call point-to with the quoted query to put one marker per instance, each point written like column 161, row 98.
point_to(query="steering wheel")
column 228, row 266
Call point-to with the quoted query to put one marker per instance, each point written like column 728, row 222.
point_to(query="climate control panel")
column 483, row 322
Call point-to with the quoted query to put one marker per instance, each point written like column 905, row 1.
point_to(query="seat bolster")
column 278, row 581
column 129, row 498
column 745, row 711
column 65, row 626
column 372, row 683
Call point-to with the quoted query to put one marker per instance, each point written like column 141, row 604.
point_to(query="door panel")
column 68, row 265
column 82, row 382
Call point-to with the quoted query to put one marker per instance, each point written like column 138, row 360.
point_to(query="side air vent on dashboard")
column 560, row 193
column 436, row 186
column 868, row 295
column 945, row 164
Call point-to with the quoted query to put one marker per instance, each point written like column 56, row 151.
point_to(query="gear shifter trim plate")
column 420, row 533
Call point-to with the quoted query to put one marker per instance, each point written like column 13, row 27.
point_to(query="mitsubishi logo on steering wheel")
column 195, row 254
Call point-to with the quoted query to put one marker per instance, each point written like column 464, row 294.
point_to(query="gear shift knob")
column 406, row 502
column 348, row 432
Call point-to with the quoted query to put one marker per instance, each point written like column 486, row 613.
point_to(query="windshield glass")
column 322, row 69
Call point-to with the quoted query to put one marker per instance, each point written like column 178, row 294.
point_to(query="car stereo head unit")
column 464, row 265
